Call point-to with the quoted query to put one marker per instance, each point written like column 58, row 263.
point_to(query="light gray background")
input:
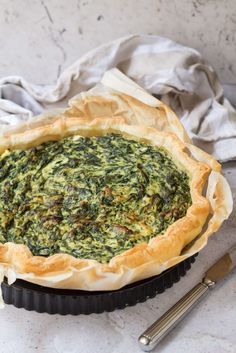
column 38, row 39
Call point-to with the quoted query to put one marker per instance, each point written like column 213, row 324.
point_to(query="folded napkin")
column 174, row 73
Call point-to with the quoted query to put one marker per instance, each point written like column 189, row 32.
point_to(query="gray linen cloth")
column 176, row 74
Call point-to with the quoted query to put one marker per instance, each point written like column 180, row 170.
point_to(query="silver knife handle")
column 149, row 339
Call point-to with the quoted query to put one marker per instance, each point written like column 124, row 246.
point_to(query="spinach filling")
column 90, row 197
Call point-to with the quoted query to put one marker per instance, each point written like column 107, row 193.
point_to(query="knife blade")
column 160, row 328
column 223, row 266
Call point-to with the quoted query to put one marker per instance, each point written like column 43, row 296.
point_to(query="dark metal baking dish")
column 26, row 295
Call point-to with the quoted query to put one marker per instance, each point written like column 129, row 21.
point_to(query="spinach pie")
column 93, row 202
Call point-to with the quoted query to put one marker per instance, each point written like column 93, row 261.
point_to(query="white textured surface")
column 39, row 38
column 209, row 328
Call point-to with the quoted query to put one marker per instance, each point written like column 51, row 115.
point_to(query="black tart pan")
column 23, row 294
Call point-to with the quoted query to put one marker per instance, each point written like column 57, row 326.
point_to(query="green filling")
column 91, row 197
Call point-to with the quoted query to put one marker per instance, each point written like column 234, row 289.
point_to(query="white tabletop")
column 209, row 328
column 43, row 38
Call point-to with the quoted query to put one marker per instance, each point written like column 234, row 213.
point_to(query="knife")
column 149, row 339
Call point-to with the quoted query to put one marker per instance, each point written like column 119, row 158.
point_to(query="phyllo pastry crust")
column 93, row 198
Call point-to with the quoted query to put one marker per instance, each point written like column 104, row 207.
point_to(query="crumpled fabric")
column 176, row 74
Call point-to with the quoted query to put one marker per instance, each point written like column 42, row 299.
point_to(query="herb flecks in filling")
column 91, row 197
